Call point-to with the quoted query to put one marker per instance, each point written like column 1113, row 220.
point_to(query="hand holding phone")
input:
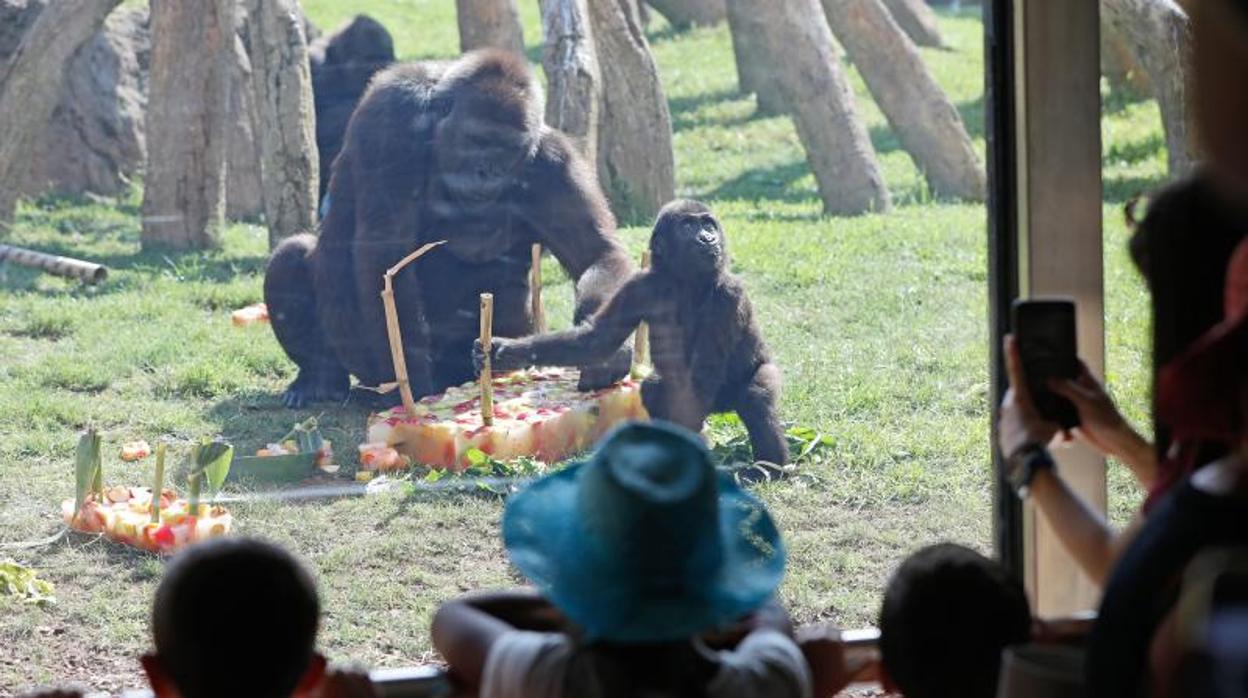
column 1045, row 331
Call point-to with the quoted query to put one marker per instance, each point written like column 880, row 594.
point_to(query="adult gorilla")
column 342, row 65
column 440, row 151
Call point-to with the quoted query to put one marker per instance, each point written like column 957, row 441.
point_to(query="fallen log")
column 54, row 264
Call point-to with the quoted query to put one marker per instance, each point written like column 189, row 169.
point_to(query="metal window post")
column 1045, row 238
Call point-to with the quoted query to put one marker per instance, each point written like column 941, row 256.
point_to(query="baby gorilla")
column 707, row 351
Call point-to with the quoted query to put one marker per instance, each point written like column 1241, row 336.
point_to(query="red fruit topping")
column 164, row 536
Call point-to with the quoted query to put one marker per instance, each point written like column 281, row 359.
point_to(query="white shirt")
column 524, row 664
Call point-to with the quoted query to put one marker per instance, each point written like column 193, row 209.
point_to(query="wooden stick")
column 159, row 484
column 392, row 326
column 539, row 310
column 487, row 375
column 641, row 339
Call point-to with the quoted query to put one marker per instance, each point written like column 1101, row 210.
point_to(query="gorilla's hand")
column 503, row 355
column 599, row 376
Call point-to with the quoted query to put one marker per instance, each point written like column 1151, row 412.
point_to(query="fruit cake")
column 538, row 413
column 124, row 514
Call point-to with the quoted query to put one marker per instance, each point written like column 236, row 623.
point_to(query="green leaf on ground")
column 23, row 583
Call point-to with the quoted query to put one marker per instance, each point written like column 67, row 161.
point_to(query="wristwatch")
column 1023, row 465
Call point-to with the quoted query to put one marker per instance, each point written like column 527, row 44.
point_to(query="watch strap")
column 1025, row 464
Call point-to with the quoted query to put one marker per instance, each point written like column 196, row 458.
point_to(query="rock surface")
column 95, row 142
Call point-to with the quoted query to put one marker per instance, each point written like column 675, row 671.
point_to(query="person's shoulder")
column 765, row 663
column 523, row 662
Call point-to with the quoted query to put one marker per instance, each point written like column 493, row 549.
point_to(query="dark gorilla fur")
column 708, row 353
column 342, row 64
column 454, row 152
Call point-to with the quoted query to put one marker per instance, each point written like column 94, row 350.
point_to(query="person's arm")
column 522, row 608
column 1081, row 530
column 465, row 629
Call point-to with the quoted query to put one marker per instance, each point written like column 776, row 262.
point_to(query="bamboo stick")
column 159, row 481
column 487, row 374
column 641, row 339
column 54, row 264
column 539, row 310
column 393, row 332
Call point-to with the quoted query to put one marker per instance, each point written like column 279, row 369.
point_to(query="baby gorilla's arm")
column 590, row 342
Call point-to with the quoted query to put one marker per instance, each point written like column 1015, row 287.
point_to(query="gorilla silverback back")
column 440, row 151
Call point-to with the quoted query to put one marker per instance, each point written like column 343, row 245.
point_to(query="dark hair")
column 1182, row 248
column 947, row 615
column 235, row 617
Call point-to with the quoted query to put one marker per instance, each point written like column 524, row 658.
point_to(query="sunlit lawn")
column 879, row 323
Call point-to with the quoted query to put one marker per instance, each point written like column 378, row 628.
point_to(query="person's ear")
column 313, row 676
column 162, row 687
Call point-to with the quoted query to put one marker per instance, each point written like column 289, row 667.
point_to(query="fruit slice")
column 257, row 312
column 135, row 450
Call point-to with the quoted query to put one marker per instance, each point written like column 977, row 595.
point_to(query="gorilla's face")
column 488, row 128
column 479, row 155
column 688, row 241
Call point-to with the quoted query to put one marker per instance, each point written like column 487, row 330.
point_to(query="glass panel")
column 1134, row 165
column 876, row 321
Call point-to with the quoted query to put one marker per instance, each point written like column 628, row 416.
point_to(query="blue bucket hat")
column 645, row 541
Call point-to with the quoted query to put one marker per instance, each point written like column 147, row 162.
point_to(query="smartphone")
column 1045, row 331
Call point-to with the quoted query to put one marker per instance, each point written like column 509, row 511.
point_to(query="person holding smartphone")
column 1182, row 248
column 1025, row 433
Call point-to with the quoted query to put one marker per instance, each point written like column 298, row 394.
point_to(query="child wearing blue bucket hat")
column 639, row 556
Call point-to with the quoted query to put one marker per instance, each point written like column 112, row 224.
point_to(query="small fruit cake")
column 124, row 514
column 537, row 413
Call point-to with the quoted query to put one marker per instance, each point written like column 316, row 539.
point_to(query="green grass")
column 879, row 323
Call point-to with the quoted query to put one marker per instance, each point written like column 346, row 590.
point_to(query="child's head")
column 948, row 613
column 234, row 617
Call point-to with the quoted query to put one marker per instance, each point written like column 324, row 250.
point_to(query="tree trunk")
column 32, row 85
column 1119, row 66
column 745, row 25
column 635, row 160
column 1157, row 35
column 643, row 13
column 282, row 86
column 187, row 116
column 683, row 14
column 571, row 65
column 918, row 21
column 489, row 23
column 244, row 191
column 803, row 59
column 925, row 121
